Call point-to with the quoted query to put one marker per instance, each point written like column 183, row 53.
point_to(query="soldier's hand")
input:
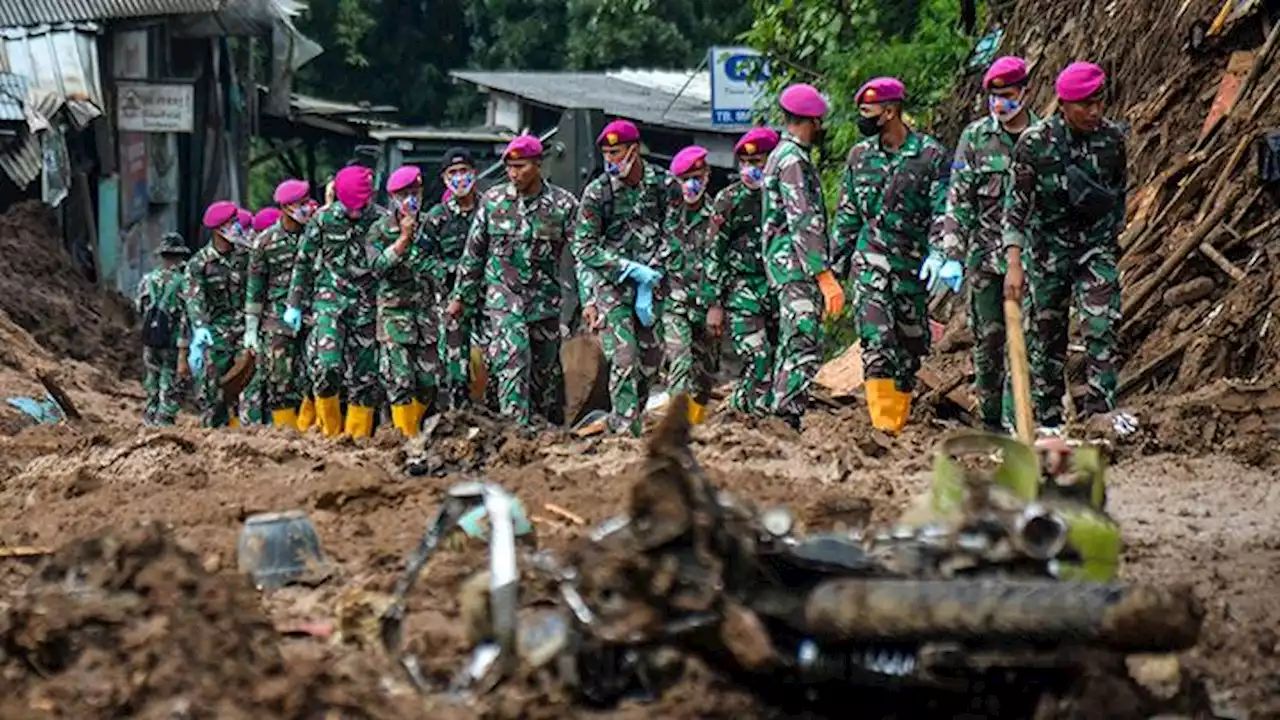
column 591, row 318
column 455, row 308
column 408, row 223
column 1014, row 282
column 715, row 321
column 183, row 370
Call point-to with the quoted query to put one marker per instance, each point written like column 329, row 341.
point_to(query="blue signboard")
column 737, row 83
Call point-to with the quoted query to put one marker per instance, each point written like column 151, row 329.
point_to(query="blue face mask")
column 1003, row 108
column 692, row 189
column 620, row 168
column 461, row 183
column 752, row 175
column 410, row 205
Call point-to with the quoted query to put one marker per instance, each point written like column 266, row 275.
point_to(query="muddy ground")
column 1190, row 514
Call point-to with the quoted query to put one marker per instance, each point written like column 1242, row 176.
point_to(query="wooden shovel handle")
column 1020, row 371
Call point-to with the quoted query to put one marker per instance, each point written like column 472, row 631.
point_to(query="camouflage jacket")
column 271, row 264
column 633, row 231
column 443, row 232
column 514, row 245
column 335, row 259
column 405, row 290
column 891, row 203
column 980, row 179
column 793, row 215
column 216, row 290
column 163, row 287
column 734, row 260
column 689, row 233
column 1038, row 202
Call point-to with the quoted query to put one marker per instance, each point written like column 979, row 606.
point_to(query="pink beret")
column 1079, row 80
column 523, row 147
column 881, row 90
column 757, row 141
column 403, row 177
column 265, row 218
column 219, row 214
column 1005, row 72
column 291, row 191
column 618, row 132
column 803, row 101
column 245, row 218
column 689, row 159
column 354, row 186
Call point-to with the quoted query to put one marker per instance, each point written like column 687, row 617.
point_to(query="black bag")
column 1269, row 158
column 157, row 326
column 1091, row 200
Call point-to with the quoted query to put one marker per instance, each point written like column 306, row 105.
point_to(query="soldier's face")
column 522, row 173
column 460, row 178
column 751, row 169
column 408, row 201
column 1085, row 115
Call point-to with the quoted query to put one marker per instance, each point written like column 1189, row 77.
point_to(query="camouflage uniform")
column 444, row 231
column 736, row 282
column 632, row 231
column 890, row 204
column 334, row 259
column 281, row 367
column 794, row 239
column 162, row 287
column 1068, row 257
column 690, row 352
column 407, row 325
column 972, row 227
column 216, row 283
column 513, row 251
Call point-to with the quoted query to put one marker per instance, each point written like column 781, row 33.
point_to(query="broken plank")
column 956, row 394
column 842, row 376
column 59, row 396
column 1146, row 372
column 1221, row 261
column 23, row 551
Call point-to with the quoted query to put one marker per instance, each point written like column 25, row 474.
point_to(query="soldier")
column 972, row 226
column 892, row 198
column 333, row 257
column 690, row 353
column 794, row 238
column 160, row 304
column 513, row 254
column 616, row 245
column 216, row 281
column 281, row 373
column 445, row 232
column 736, row 279
column 407, row 315
column 253, row 402
column 1066, row 209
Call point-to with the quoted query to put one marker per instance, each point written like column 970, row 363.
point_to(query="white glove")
column 251, row 324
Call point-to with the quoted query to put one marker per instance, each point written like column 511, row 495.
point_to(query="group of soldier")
column 352, row 305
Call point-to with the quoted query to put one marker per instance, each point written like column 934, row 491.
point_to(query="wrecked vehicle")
column 1002, row 577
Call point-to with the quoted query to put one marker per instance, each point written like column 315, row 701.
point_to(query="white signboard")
column 155, row 107
column 737, row 75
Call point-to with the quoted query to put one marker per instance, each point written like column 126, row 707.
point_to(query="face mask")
column 409, row 206
column 233, row 234
column 300, row 213
column 819, row 137
column 693, row 188
column 462, row 183
column 1002, row 108
column 869, row 126
column 752, row 175
column 620, row 168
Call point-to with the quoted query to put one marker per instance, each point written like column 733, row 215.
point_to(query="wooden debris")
column 1221, row 261
column 1237, row 67
column 59, row 396
column 1135, row 379
column 23, row 551
column 957, row 393
column 564, row 514
column 1189, row 292
column 842, row 376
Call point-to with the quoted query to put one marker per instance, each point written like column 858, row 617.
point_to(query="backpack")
column 157, row 325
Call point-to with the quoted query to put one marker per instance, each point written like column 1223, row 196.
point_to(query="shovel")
column 1020, row 372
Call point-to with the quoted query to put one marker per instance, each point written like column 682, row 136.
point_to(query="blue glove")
column 644, row 304
column 641, row 274
column 200, row 340
column 952, row 275
column 293, row 318
column 935, row 268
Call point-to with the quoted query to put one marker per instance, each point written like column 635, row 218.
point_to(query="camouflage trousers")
column 986, row 320
column 346, row 358
column 1062, row 270
column 893, row 324
column 279, row 379
column 798, row 355
column 214, row 412
column 690, row 353
column 408, row 359
column 752, row 320
column 307, row 373
column 455, row 355
column 524, row 369
column 162, row 385
column 634, row 356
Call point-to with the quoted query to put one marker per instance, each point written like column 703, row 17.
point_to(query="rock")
column 1161, row 675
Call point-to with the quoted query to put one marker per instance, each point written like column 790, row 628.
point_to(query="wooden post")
column 1020, row 371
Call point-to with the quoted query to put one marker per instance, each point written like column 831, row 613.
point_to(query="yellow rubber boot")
column 329, row 415
column 359, row 421
column 697, row 412
column 419, row 412
column 901, row 411
column 286, row 418
column 479, row 375
column 881, row 396
column 234, row 422
column 404, row 418
column 306, row 414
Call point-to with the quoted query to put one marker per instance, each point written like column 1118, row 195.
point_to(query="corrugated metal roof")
column 61, row 65
column 655, row 97
column 23, row 161
column 32, row 12
column 13, row 97
column 479, row 134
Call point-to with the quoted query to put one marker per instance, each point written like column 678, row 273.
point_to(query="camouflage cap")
column 173, row 244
